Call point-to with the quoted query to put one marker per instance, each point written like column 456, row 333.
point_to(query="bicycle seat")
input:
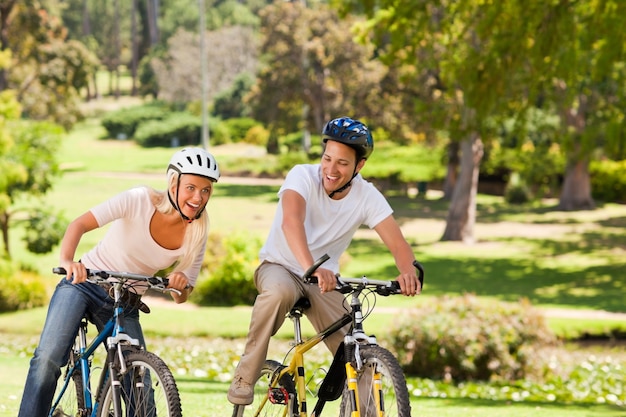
column 301, row 305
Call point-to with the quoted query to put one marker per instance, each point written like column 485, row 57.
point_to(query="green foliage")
column 230, row 103
column 238, row 127
column 464, row 339
column 177, row 129
column 124, row 122
column 594, row 380
column 19, row 289
column 28, row 166
column 257, row 135
column 44, row 229
column 516, row 191
column 608, row 180
column 418, row 162
column 230, row 263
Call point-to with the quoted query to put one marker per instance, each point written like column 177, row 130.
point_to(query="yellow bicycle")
column 366, row 376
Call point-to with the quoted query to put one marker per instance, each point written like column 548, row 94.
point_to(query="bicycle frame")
column 287, row 384
column 296, row 367
column 114, row 336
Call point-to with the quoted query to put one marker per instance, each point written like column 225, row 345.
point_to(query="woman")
column 149, row 231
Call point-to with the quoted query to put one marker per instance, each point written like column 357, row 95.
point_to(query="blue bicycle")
column 132, row 381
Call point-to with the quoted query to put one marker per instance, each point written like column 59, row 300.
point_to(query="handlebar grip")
column 421, row 274
column 61, row 271
column 307, row 277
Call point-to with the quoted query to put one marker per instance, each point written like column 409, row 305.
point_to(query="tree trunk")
column 272, row 147
column 5, row 11
column 576, row 191
column 452, row 170
column 152, row 7
column 134, row 47
column 462, row 212
column 4, row 225
column 86, row 23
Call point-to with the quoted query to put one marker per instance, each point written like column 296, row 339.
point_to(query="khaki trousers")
column 279, row 290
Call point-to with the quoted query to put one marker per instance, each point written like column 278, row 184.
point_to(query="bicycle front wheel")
column 271, row 401
column 148, row 388
column 389, row 398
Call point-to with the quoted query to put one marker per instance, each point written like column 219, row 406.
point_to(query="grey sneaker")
column 240, row 392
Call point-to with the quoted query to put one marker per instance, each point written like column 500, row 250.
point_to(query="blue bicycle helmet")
column 350, row 132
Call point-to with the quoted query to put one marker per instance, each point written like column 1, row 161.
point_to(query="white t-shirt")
column 329, row 224
column 128, row 245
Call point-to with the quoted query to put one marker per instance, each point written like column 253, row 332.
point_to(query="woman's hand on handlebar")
column 76, row 271
column 178, row 281
column 326, row 280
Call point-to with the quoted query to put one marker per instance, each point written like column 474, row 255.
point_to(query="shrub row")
column 462, row 338
column 156, row 124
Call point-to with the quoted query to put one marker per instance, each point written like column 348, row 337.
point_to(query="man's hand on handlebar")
column 326, row 280
column 409, row 284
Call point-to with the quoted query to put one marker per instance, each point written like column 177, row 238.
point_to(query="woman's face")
column 338, row 165
column 194, row 192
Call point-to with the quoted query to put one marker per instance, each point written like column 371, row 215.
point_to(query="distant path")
column 550, row 312
column 224, row 179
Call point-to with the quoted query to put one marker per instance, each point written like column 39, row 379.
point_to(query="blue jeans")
column 68, row 305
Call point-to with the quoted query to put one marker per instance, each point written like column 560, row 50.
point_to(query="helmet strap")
column 177, row 207
column 343, row 187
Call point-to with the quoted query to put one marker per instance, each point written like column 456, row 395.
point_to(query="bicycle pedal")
column 278, row 395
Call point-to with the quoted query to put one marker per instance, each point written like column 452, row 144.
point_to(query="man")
column 320, row 208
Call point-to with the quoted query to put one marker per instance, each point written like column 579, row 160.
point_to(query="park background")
column 469, row 108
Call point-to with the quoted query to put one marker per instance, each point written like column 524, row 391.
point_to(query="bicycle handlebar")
column 156, row 283
column 381, row 287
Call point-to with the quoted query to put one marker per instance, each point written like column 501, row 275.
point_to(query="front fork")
column 353, row 390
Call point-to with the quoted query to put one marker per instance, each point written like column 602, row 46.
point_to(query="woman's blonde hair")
column 197, row 231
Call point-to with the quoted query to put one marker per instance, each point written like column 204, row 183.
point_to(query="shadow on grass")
column 264, row 192
column 510, row 279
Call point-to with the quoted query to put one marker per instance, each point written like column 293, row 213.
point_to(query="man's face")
column 338, row 165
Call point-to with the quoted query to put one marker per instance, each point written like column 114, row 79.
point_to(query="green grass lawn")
column 573, row 261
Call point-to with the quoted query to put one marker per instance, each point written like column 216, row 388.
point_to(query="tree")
column 489, row 61
column 46, row 71
column 27, row 160
column 231, row 51
column 312, row 62
column 586, row 89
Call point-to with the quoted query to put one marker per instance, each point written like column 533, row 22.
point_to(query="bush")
column 230, row 263
column 124, row 122
column 239, row 127
column 178, row 129
column 44, row 230
column 460, row 339
column 20, row 289
column 608, row 180
column 516, row 191
column 257, row 135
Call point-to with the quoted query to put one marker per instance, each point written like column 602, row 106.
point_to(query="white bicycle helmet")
column 195, row 161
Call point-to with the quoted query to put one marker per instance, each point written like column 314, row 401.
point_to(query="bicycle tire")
column 394, row 392
column 148, row 388
column 261, row 405
column 72, row 403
